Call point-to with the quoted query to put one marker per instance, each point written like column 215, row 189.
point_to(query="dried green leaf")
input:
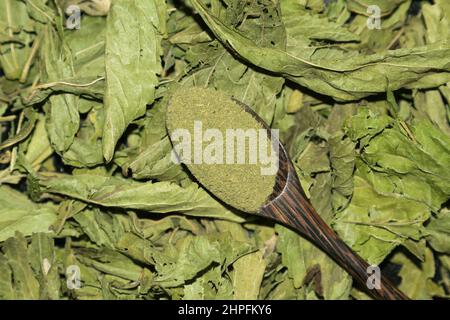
column 132, row 64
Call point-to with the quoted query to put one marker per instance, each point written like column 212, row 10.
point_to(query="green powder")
column 241, row 185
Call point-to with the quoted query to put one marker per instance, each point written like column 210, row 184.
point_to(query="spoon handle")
column 293, row 209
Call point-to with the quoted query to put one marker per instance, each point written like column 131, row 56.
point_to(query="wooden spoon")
column 289, row 205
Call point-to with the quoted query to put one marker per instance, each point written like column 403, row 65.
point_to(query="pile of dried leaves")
column 91, row 206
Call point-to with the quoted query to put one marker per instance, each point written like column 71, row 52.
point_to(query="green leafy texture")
column 15, row 37
column 416, row 161
column 312, row 27
column 88, row 47
column 39, row 11
column 90, row 86
column 63, row 119
column 39, row 148
column 149, row 150
column 393, row 22
column 374, row 223
column 289, row 240
column 93, row 8
column 437, row 20
column 86, row 149
column 111, row 262
column 392, row 185
column 210, row 64
column 210, row 285
column 84, row 74
column 152, row 229
column 132, row 63
column 248, row 273
column 101, row 228
column 445, row 271
column 438, row 232
column 41, row 253
column 417, row 279
column 381, row 180
column 6, row 282
column 302, row 259
column 342, row 160
column 90, row 286
column 195, row 255
column 18, row 213
column 24, row 131
column 364, row 75
column 432, row 106
column 23, row 280
column 155, row 197
column 386, row 7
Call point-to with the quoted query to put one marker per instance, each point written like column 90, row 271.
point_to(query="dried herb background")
column 91, row 206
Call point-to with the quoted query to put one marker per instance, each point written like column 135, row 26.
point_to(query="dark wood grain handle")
column 290, row 206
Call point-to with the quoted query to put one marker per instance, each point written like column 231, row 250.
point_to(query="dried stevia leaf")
column 18, row 213
column 438, row 232
column 45, row 265
column 15, row 37
column 61, row 109
column 417, row 281
column 23, row 280
column 132, row 61
column 154, row 197
column 248, row 275
column 392, row 196
column 354, row 77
